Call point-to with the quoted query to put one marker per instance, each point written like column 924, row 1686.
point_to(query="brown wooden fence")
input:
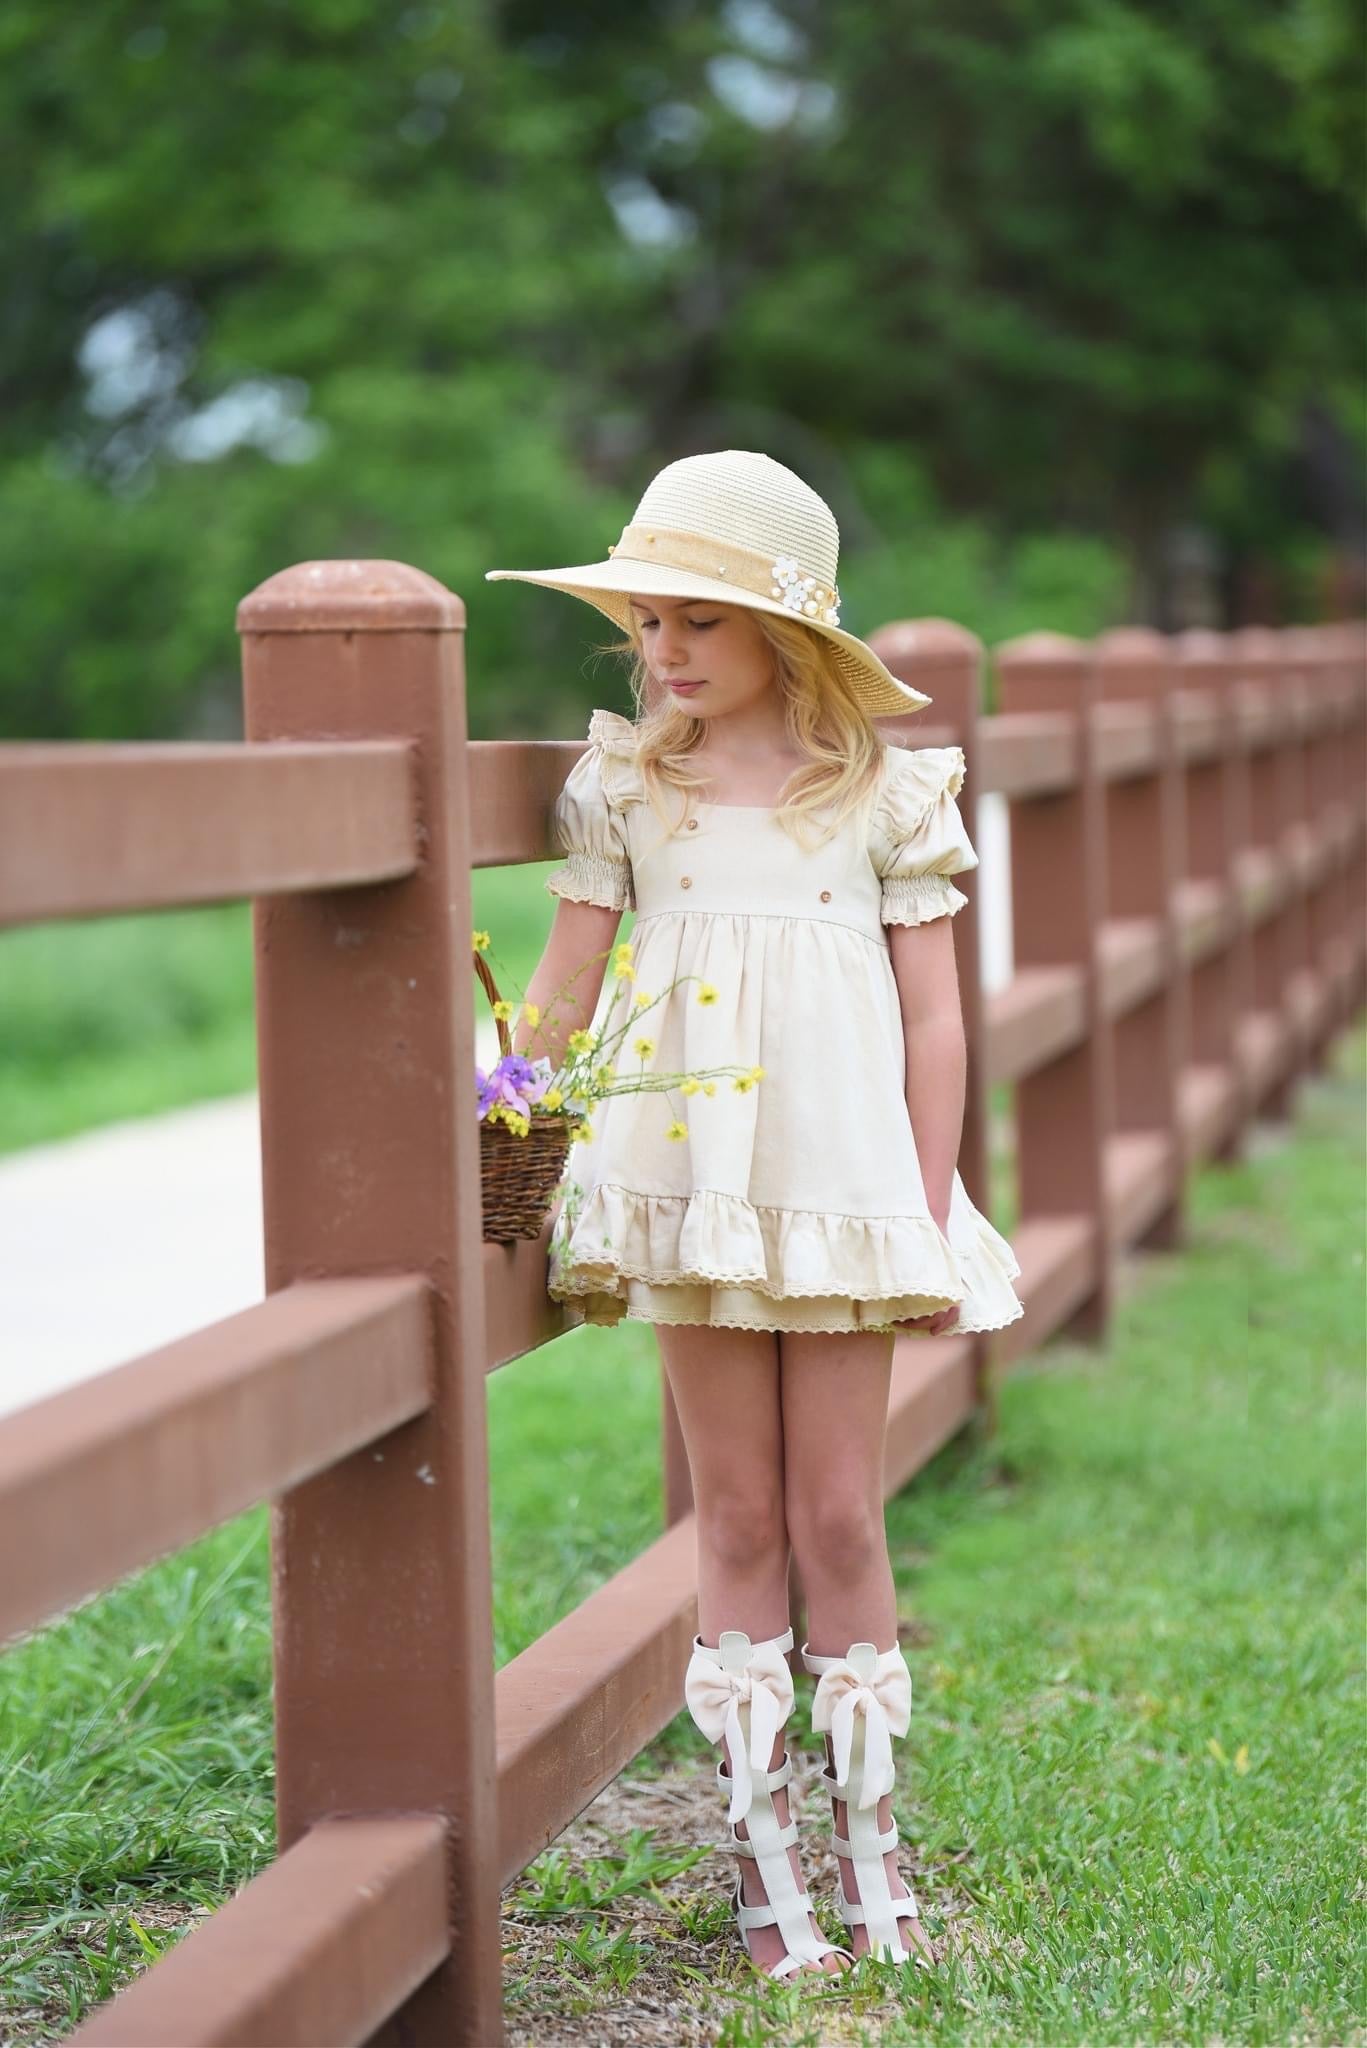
column 1187, row 883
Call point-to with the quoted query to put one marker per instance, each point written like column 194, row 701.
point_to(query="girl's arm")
column 936, row 1051
column 579, row 932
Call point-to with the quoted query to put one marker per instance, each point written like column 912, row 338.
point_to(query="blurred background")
column 1059, row 303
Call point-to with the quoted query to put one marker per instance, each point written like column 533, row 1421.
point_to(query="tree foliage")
column 1018, row 284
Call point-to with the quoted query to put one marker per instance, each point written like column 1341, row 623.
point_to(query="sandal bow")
column 877, row 1690
column 715, row 1693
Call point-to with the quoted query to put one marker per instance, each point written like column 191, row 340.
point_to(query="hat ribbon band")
column 762, row 574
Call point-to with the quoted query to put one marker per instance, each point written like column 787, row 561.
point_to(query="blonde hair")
column 825, row 721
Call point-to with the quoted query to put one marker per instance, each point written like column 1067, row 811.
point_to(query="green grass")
column 1137, row 1738
column 1141, row 1708
column 105, row 1018
column 136, row 1771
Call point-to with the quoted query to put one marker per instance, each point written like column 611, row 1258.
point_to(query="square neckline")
column 710, row 803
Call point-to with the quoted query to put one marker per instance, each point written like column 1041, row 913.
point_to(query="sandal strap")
column 774, row 1780
column 807, row 1949
column 888, row 1839
column 786, row 1965
column 765, row 1915
column 900, row 1909
column 744, row 1847
column 715, row 1653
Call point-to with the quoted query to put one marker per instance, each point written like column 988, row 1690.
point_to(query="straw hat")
column 739, row 528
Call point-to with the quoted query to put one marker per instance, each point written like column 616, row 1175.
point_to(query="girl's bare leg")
column 834, row 1397
column 725, row 1385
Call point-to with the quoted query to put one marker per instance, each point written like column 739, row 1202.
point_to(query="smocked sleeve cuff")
column 593, row 878
column 916, row 899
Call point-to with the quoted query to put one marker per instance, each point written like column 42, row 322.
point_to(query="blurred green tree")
column 1017, row 285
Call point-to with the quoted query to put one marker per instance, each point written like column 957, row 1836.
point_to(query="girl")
column 773, row 846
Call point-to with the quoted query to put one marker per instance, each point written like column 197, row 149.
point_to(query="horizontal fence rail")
column 322, row 1947
column 108, row 1475
column 1187, row 841
column 88, row 829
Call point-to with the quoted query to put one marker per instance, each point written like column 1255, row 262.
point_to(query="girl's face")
column 717, row 646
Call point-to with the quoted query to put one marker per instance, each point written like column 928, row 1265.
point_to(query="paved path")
column 130, row 1236
column 138, row 1233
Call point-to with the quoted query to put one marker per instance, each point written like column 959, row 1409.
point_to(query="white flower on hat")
column 803, row 593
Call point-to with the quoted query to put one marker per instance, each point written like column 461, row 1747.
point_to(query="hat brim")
column 610, row 585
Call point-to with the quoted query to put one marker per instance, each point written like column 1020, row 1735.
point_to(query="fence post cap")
column 1255, row 643
column 350, row 597
column 923, row 640
column 1042, row 648
column 1132, row 643
column 1200, row 643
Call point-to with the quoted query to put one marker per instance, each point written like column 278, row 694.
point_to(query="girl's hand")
column 937, row 1324
column 943, row 1318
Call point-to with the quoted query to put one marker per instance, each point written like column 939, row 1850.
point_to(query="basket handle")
column 482, row 969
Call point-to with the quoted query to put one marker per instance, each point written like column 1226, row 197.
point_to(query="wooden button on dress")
column 685, row 881
column 692, row 824
column 825, row 895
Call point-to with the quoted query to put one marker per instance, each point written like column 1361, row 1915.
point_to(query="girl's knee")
column 836, row 1535
column 742, row 1526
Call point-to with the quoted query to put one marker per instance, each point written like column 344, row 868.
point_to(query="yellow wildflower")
column 709, row 1087
column 532, row 1012
column 690, row 1086
column 481, row 940
column 581, row 1041
column 582, row 1131
column 503, row 1009
column 552, row 1099
column 643, row 999
column 622, row 950
column 742, row 1084
column 645, row 1047
column 756, row 1073
column 603, row 1076
column 676, row 1130
column 707, row 994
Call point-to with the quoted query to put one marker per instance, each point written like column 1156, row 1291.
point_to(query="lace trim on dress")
column 780, row 1254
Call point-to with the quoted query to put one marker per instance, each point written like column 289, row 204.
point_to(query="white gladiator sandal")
column 743, row 1691
column 862, row 1700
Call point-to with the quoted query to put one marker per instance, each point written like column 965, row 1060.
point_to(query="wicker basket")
column 518, row 1176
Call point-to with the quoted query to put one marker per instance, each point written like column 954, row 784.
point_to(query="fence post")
column 370, row 1156
column 1145, row 863
column 1339, row 775
column 1304, row 680
column 1351, row 642
column 1270, row 769
column 945, row 661
column 1064, row 1110
column 1216, row 830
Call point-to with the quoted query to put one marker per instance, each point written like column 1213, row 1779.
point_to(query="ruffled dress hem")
column 716, row 1259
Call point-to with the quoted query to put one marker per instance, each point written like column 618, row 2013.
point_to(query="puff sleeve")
column 917, row 838
column 588, row 820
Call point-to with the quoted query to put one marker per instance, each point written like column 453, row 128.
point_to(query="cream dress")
column 798, row 1204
